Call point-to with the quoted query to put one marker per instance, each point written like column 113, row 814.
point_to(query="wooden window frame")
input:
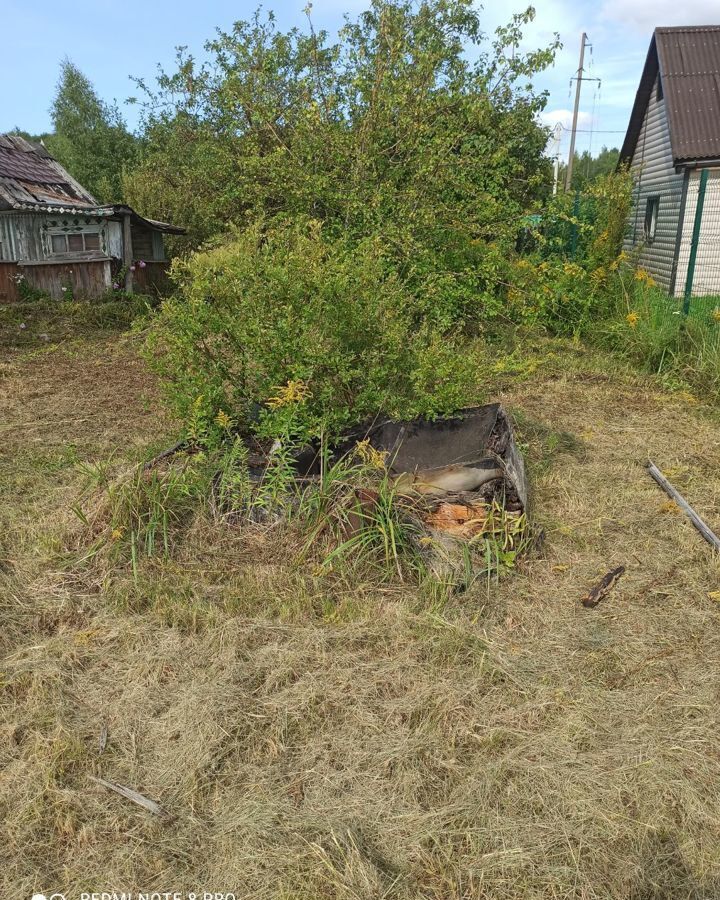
column 68, row 232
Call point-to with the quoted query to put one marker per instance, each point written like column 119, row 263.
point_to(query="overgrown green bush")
column 578, row 272
column 291, row 333
column 375, row 186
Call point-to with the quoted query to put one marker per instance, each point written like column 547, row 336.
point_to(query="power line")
column 592, row 130
column 596, row 131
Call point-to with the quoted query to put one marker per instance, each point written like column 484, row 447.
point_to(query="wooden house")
column 55, row 236
column 673, row 136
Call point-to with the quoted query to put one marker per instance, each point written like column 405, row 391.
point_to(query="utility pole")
column 556, row 139
column 568, row 174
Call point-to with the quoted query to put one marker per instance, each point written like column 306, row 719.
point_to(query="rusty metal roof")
column 31, row 180
column 687, row 59
column 29, row 175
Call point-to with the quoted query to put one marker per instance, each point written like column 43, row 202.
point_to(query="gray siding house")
column 674, row 133
column 55, row 236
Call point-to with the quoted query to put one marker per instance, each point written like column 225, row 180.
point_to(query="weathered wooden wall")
column 8, row 284
column 153, row 279
column 88, row 280
column 23, row 235
column 142, row 243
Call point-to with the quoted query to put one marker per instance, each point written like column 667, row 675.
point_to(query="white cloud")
column 552, row 117
column 648, row 14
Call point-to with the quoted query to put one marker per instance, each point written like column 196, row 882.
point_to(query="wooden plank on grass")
column 701, row 526
column 134, row 796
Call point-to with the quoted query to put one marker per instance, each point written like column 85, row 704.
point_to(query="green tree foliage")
column 392, row 123
column 33, row 138
column 407, row 153
column 90, row 138
column 577, row 271
column 291, row 305
column 588, row 168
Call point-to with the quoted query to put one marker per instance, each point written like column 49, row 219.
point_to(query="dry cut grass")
column 327, row 738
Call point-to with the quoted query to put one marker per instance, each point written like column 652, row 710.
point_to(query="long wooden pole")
column 576, row 109
column 127, row 252
column 704, row 529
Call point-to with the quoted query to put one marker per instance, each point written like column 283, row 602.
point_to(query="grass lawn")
column 315, row 738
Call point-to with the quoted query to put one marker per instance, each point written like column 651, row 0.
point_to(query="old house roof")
column 29, row 175
column 31, row 180
column 687, row 59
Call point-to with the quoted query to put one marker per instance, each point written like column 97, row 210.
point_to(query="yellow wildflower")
column 369, row 455
column 292, row 392
column 223, row 419
column 643, row 275
column 632, row 319
column 117, row 533
column 573, row 269
column 716, row 314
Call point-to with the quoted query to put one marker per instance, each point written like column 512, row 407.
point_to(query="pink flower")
column 141, row 263
column 132, row 268
column 116, row 286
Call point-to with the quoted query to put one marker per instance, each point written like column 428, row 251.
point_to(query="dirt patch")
column 320, row 739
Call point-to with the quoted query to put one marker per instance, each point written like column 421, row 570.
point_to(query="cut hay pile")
column 317, row 738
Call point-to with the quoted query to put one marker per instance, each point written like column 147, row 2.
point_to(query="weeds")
column 352, row 521
column 39, row 321
column 340, row 737
column 649, row 328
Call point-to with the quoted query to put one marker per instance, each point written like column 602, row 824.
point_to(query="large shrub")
column 412, row 123
column 288, row 332
column 374, row 189
column 578, row 274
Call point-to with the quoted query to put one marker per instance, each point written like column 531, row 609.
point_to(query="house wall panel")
column 88, row 280
column 706, row 278
column 114, row 240
column 24, row 235
column 142, row 243
column 8, row 282
column 654, row 176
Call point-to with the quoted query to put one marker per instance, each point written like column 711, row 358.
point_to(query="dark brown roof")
column 688, row 60
column 29, row 176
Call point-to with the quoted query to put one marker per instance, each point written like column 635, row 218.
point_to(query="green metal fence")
column 697, row 263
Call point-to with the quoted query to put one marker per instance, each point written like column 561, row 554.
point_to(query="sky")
column 110, row 41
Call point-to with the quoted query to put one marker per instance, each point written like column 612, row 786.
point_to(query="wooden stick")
column 171, row 451
column 134, row 796
column 704, row 530
column 603, row 588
